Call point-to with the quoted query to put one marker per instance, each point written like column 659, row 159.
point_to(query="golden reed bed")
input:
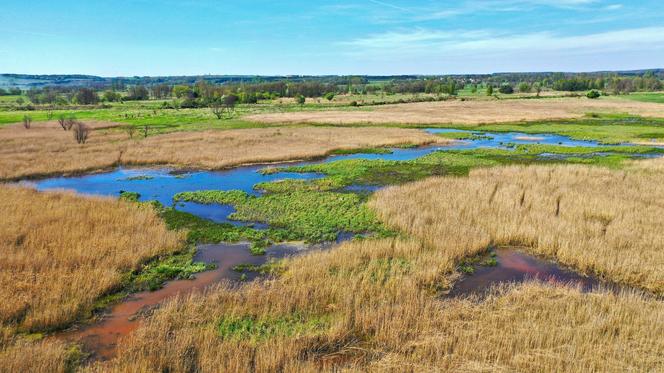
column 46, row 149
column 468, row 111
column 59, row 253
column 599, row 221
column 375, row 305
column 382, row 314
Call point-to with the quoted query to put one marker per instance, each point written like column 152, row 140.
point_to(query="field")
column 418, row 221
column 469, row 112
column 46, row 149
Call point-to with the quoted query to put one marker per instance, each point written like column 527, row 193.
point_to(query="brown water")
column 515, row 266
column 101, row 337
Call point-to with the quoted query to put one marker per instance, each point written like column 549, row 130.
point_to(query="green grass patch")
column 205, row 231
column 656, row 97
column 581, row 150
column 171, row 267
column 254, row 329
column 272, row 267
column 129, row 196
column 308, row 215
column 343, row 173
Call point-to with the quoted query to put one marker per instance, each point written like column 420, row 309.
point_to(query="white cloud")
column 443, row 11
column 614, row 7
column 437, row 42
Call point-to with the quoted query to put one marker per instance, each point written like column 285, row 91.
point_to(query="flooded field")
column 163, row 184
column 512, row 265
column 101, row 337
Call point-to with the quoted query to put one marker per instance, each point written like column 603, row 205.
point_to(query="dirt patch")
column 469, row 111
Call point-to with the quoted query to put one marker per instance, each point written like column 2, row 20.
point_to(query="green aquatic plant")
column 307, row 215
column 254, row 329
column 129, row 196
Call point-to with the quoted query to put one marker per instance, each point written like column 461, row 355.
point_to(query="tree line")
column 204, row 93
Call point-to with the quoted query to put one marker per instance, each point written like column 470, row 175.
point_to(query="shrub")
column 506, row 89
column 27, row 121
column 329, row 96
column 593, row 94
column 81, row 132
column 300, row 99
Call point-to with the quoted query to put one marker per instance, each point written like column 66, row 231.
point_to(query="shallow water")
column 120, row 320
column 515, row 266
column 500, row 139
column 162, row 184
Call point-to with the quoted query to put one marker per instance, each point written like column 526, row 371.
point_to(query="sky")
column 344, row 37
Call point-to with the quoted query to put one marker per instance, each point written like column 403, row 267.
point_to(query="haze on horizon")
column 295, row 37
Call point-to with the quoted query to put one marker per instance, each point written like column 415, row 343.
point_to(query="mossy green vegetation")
column 205, row 231
column 463, row 136
column 129, row 196
column 254, row 329
column 582, row 150
column 272, row 267
column 178, row 266
column 344, row 173
column 314, row 216
column 152, row 276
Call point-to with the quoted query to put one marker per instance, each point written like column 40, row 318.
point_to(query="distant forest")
column 202, row 91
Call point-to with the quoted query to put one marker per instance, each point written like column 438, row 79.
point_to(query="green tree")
column 524, row 87
column 182, row 91
column 489, row 90
column 506, row 89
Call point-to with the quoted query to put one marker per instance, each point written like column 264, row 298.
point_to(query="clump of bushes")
column 506, row 89
column 593, row 94
column 81, row 132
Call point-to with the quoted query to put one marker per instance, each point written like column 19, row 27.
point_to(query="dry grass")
column 220, row 149
column 382, row 316
column 597, row 220
column 46, row 149
column 469, row 111
column 60, row 252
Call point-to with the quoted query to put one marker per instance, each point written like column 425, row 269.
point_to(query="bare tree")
column 81, row 132
column 131, row 130
column 229, row 103
column 62, row 119
column 69, row 122
column 217, row 109
column 27, row 121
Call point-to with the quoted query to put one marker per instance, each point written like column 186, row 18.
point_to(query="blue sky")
column 191, row 37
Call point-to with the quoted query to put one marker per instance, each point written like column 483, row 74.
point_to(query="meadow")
column 469, row 112
column 380, row 302
column 46, row 149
